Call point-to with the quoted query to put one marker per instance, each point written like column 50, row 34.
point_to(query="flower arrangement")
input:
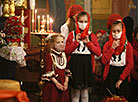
column 2, row 41
column 13, row 29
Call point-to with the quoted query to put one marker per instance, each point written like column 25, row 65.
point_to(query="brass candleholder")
column 43, row 22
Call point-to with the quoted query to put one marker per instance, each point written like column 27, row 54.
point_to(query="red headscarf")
column 113, row 18
column 74, row 9
column 102, row 31
column 85, row 31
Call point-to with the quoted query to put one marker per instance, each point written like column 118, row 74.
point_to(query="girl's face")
column 82, row 22
column 99, row 35
column 117, row 31
column 59, row 44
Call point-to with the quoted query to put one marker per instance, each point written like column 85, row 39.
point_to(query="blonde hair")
column 51, row 40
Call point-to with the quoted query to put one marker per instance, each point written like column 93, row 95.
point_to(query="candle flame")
column 47, row 16
column 51, row 20
column 43, row 16
column 38, row 17
column 35, row 10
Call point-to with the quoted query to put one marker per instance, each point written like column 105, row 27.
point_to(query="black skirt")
column 81, row 68
column 111, row 80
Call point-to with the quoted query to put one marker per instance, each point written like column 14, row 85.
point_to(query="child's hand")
column 86, row 40
column 117, row 85
column 115, row 44
column 59, row 86
column 78, row 37
column 65, row 86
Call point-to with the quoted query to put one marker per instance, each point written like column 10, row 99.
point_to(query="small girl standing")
column 81, row 46
column 117, row 57
column 56, row 73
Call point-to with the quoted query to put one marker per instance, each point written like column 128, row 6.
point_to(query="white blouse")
column 119, row 60
column 64, row 31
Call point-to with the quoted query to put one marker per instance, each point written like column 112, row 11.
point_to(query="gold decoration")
column 131, row 5
column 43, row 24
column 5, row 8
column 12, row 8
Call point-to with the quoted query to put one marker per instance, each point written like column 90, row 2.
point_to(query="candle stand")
column 42, row 45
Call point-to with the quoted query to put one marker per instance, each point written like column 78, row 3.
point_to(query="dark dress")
column 113, row 77
column 81, row 67
column 50, row 92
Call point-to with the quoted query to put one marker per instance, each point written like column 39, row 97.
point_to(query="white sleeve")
column 64, row 30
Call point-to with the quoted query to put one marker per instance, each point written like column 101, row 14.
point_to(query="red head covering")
column 74, row 9
column 85, row 31
column 102, row 31
column 113, row 18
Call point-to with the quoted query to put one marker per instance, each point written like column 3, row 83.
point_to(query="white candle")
column 50, row 24
column 47, row 22
column 35, row 19
column 38, row 23
column 32, row 20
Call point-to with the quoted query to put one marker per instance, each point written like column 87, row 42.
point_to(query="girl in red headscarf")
column 117, row 57
column 81, row 46
column 69, row 25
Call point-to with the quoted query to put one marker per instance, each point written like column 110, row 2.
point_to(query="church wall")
column 98, row 21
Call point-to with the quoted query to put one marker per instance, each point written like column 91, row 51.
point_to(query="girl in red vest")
column 81, row 46
column 117, row 57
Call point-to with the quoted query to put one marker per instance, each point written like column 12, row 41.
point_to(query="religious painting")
column 101, row 9
column 123, row 10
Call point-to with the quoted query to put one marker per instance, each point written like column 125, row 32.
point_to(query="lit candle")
column 50, row 23
column 47, row 22
column 35, row 19
column 43, row 18
column 38, row 23
column 32, row 20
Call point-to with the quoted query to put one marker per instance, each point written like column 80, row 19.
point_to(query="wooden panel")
column 102, row 6
column 100, row 16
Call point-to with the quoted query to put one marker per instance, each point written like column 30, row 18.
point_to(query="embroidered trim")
column 56, row 51
column 119, row 60
column 55, row 62
column 49, row 75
